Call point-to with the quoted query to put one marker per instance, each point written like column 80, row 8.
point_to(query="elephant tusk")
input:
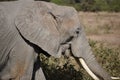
column 88, row 70
column 115, row 78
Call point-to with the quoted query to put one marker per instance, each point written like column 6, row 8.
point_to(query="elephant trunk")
column 94, row 69
column 80, row 48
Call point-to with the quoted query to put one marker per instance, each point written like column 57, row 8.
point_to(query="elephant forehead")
column 68, row 23
column 72, row 19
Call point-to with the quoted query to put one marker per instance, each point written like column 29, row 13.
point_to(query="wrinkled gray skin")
column 28, row 27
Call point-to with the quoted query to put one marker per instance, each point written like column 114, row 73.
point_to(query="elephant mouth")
column 68, row 52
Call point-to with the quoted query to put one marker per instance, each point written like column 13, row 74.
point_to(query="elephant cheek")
column 80, row 44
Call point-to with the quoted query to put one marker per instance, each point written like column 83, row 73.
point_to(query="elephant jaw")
column 62, row 49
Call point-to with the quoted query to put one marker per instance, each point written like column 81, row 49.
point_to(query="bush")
column 88, row 5
column 91, row 5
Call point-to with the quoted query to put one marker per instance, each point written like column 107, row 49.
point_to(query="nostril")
column 78, row 28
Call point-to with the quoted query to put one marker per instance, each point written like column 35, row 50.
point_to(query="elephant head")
column 55, row 29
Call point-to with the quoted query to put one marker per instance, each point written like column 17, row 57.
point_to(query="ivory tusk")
column 88, row 70
column 115, row 77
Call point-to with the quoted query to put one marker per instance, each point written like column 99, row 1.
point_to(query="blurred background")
column 101, row 20
column 88, row 5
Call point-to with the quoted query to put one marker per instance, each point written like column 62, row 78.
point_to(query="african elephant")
column 28, row 28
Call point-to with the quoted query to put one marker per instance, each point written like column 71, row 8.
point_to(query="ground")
column 102, row 26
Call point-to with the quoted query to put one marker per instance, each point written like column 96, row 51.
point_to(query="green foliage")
column 54, row 71
column 114, row 5
column 88, row 5
column 109, row 58
column 100, row 5
column 65, row 73
column 91, row 5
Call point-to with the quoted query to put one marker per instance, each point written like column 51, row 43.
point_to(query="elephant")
column 28, row 28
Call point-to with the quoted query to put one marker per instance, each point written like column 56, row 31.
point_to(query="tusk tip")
column 115, row 78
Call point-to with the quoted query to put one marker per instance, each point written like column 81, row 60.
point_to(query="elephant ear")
column 39, row 28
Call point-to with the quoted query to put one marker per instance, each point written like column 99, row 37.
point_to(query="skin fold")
column 28, row 28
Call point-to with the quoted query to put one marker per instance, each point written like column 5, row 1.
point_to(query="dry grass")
column 100, row 22
column 102, row 26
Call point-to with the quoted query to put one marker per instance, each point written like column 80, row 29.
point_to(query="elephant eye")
column 77, row 31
